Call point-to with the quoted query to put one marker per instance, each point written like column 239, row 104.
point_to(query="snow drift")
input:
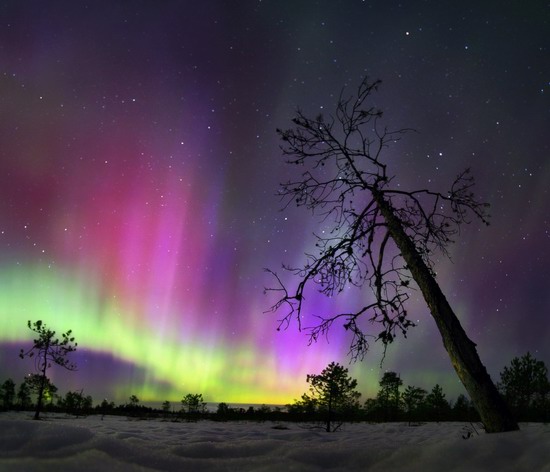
column 122, row 444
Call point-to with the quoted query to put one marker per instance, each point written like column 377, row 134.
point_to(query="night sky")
column 139, row 167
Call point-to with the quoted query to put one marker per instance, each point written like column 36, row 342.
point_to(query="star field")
column 139, row 167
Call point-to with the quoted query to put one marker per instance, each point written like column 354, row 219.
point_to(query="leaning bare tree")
column 382, row 237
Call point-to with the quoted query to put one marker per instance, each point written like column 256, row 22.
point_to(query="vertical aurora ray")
column 144, row 273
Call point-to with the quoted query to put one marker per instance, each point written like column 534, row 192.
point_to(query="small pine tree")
column 388, row 395
column 76, row 403
column 412, row 399
column 106, row 407
column 463, row 409
column 334, row 391
column 223, row 410
column 48, row 349
column 133, row 402
column 437, row 403
column 24, row 396
column 7, row 393
column 193, row 404
column 525, row 385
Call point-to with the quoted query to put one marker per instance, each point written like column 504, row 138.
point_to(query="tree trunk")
column 40, row 396
column 329, row 411
column 42, row 384
column 491, row 407
column 39, row 401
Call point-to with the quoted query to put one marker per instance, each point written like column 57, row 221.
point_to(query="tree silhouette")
column 133, row 403
column 76, row 403
column 48, row 349
column 463, row 410
column 193, row 404
column 525, row 385
column 388, row 396
column 333, row 390
column 24, row 395
column 7, row 393
column 412, row 400
column 382, row 237
column 223, row 410
column 437, row 403
column 166, row 407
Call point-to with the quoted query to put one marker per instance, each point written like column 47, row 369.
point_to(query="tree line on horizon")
column 332, row 399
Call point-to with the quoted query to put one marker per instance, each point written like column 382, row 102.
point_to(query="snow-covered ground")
column 121, row 444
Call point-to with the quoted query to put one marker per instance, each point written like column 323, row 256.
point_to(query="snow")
column 117, row 443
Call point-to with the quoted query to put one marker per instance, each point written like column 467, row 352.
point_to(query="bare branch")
column 343, row 170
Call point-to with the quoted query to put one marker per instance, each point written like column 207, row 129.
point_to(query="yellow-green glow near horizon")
column 188, row 362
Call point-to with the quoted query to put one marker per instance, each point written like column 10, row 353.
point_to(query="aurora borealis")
column 139, row 167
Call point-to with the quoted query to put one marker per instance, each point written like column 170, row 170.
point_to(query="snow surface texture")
column 122, row 444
